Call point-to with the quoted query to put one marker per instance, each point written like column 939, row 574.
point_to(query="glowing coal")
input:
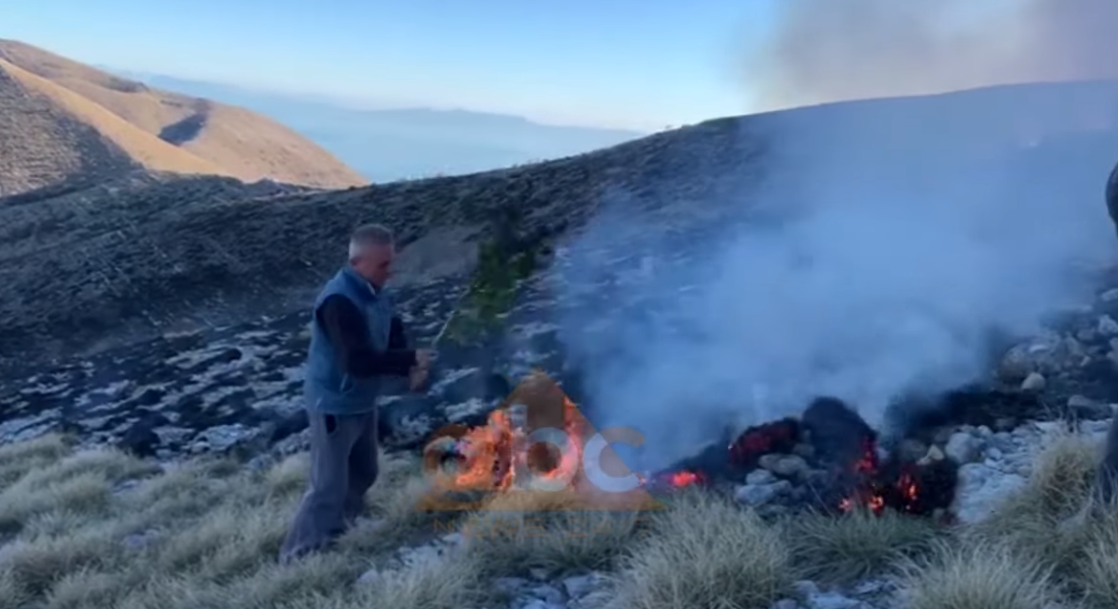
column 859, row 474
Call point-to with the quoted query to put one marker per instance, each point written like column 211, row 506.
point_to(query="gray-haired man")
column 356, row 340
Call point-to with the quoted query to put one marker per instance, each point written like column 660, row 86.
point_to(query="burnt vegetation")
column 858, row 474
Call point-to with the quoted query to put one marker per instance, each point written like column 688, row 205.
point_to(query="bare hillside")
column 43, row 144
column 88, row 267
column 154, row 254
column 154, row 129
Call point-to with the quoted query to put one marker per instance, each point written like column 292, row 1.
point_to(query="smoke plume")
column 907, row 233
column 833, row 50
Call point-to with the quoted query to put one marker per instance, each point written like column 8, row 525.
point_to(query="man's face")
column 375, row 264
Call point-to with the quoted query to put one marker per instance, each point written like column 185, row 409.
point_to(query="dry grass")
column 978, row 576
column 23, row 457
column 1062, row 474
column 1031, row 521
column 1096, row 570
column 99, row 529
column 519, row 532
column 45, row 485
column 1054, row 531
column 856, row 545
column 450, row 585
column 705, row 552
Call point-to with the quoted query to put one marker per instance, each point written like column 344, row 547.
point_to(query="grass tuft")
column 978, row 576
column 19, row 458
column 1029, row 521
column 856, row 545
column 705, row 552
column 517, row 532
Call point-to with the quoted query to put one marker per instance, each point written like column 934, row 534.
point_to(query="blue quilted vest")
column 328, row 388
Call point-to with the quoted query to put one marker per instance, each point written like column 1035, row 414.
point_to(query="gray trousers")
column 343, row 466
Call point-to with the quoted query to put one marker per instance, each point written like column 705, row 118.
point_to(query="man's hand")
column 417, row 377
column 424, row 357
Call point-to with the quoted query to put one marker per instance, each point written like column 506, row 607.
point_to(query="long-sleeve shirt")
column 348, row 331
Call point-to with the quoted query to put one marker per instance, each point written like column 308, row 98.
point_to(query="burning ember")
column 778, row 437
column 680, row 479
column 865, row 479
column 674, row 480
column 845, row 449
column 876, row 492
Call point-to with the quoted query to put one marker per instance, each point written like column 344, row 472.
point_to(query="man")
column 355, row 342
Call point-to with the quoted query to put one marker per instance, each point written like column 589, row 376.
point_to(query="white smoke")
column 906, row 244
column 831, row 50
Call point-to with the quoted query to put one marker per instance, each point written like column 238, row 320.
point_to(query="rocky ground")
column 238, row 386
column 150, row 353
column 219, row 388
column 235, row 391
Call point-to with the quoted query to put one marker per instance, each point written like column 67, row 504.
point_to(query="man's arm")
column 346, row 327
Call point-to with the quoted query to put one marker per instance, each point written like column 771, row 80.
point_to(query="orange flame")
column 490, row 457
column 873, row 495
column 683, row 478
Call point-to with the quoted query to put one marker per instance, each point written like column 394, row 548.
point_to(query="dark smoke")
column 832, row 50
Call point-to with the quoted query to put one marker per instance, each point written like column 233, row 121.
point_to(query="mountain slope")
column 44, row 144
column 154, row 129
column 161, row 254
column 107, row 264
column 122, row 140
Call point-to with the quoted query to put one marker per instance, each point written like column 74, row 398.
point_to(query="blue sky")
column 624, row 63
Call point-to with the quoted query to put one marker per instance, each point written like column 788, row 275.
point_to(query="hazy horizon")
column 577, row 63
column 390, row 144
column 625, row 65
column 355, row 104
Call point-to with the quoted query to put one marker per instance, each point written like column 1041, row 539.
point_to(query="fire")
column 868, row 463
column 684, row 478
column 673, row 480
column 499, row 454
column 508, row 451
column 910, row 491
column 875, row 494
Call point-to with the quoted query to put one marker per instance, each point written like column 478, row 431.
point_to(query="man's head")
column 371, row 251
